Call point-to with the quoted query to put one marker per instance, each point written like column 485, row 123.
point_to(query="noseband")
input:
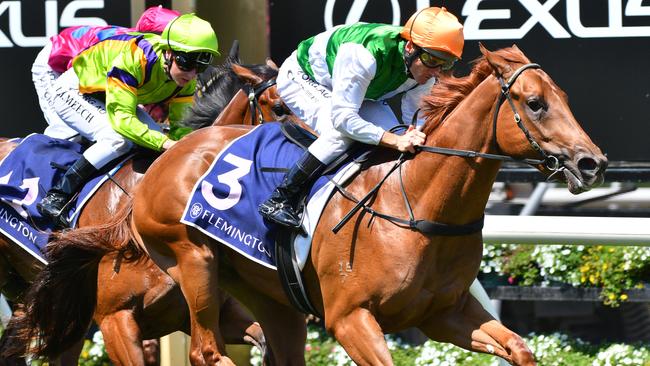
column 254, row 93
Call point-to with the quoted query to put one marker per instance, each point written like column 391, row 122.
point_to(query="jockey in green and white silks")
column 338, row 81
column 99, row 96
column 367, row 67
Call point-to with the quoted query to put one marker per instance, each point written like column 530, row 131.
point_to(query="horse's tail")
column 59, row 305
column 9, row 341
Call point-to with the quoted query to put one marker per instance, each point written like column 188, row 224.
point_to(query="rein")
column 436, row 228
column 254, row 93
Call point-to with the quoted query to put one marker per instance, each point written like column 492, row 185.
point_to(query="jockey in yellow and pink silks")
column 57, row 55
column 100, row 94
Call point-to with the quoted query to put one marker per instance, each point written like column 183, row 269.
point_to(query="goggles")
column 433, row 59
column 198, row 61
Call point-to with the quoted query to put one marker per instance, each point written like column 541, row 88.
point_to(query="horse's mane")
column 218, row 84
column 449, row 91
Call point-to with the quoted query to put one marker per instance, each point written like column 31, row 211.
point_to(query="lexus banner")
column 598, row 51
column 25, row 27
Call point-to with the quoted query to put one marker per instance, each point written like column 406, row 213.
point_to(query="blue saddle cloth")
column 224, row 201
column 25, row 177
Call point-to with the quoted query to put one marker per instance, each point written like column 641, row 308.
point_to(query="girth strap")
column 433, row 227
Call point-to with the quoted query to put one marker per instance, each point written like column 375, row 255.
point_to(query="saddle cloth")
column 25, row 177
column 224, row 201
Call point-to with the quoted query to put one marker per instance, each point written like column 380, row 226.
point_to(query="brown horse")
column 136, row 300
column 378, row 273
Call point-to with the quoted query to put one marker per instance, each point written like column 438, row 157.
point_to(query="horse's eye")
column 278, row 109
column 535, row 104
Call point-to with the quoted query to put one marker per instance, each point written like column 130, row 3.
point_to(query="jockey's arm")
column 121, row 104
column 353, row 70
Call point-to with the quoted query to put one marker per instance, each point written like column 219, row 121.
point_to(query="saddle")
column 26, row 174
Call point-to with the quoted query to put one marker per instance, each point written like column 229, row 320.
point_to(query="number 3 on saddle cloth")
column 224, row 201
column 26, row 174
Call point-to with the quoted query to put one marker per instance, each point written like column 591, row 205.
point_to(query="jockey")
column 338, row 81
column 54, row 59
column 57, row 55
column 99, row 95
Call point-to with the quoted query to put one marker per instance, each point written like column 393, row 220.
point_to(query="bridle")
column 550, row 161
column 254, row 92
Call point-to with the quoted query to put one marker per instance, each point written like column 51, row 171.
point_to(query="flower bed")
column 550, row 350
column 615, row 270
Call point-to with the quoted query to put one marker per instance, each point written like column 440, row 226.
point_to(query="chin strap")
column 168, row 66
column 409, row 58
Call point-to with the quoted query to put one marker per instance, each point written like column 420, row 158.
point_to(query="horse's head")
column 266, row 103
column 547, row 129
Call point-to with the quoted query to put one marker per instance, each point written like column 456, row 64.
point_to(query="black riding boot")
column 58, row 197
column 284, row 205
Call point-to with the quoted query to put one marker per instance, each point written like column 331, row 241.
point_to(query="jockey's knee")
column 106, row 149
column 121, row 146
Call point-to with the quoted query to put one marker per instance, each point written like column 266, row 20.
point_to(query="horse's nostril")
column 587, row 165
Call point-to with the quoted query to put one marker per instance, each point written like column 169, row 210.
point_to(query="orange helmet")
column 435, row 29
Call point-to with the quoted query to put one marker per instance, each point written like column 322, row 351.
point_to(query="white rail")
column 566, row 230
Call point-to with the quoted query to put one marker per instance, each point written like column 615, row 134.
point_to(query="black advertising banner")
column 598, row 51
column 25, row 27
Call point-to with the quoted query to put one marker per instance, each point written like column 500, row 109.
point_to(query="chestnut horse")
column 378, row 273
column 135, row 300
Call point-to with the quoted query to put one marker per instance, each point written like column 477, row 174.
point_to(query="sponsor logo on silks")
column 52, row 23
column 313, row 86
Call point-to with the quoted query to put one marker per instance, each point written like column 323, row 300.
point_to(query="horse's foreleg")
column 285, row 331
column 238, row 326
column 473, row 328
column 196, row 272
column 122, row 338
column 284, row 327
column 361, row 337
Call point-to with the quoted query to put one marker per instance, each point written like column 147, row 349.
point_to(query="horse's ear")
column 271, row 64
column 498, row 63
column 482, row 48
column 233, row 55
column 246, row 75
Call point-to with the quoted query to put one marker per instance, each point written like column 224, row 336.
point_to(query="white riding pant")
column 312, row 103
column 87, row 115
column 43, row 77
